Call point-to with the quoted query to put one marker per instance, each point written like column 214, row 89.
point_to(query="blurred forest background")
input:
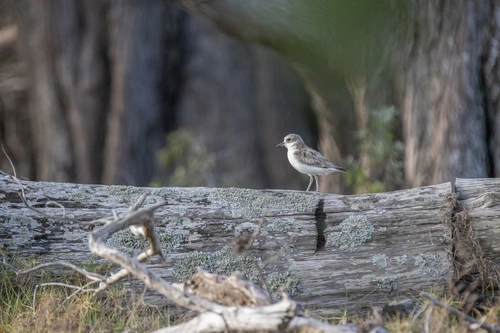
column 198, row 93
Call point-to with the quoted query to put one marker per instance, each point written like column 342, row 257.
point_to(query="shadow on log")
column 331, row 251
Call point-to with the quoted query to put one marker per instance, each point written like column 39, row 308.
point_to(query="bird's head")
column 291, row 140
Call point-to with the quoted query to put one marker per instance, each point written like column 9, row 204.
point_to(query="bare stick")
column 81, row 289
column 55, row 284
column 416, row 315
column 124, row 272
column 89, row 275
column 22, row 195
column 435, row 301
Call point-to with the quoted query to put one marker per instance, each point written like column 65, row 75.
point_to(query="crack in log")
column 320, row 217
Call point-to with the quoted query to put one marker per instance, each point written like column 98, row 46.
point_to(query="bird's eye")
column 288, row 139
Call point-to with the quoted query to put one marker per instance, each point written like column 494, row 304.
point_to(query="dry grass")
column 117, row 310
column 113, row 311
column 436, row 320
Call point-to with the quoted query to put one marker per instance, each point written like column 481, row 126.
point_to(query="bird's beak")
column 280, row 144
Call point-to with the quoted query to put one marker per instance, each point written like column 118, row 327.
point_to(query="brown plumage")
column 307, row 160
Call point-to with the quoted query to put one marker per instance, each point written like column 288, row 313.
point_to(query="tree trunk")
column 374, row 247
column 443, row 92
column 137, row 112
column 491, row 75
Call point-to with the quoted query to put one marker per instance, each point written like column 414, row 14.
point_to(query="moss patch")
column 387, row 284
column 401, row 259
column 219, row 262
column 354, row 232
column 380, row 260
column 275, row 281
column 433, row 264
column 282, row 226
column 22, row 229
column 124, row 240
column 246, row 203
column 224, row 262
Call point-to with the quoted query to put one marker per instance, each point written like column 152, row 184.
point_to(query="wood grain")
column 334, row 252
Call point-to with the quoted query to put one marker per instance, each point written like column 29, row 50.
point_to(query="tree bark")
column 443, row 97
column 491, row 74
column 374, row 247
column 137, row 112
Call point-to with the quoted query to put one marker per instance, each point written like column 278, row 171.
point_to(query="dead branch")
column 280, row 316
column 89, row 275
column 459, row 314
column 201, row 292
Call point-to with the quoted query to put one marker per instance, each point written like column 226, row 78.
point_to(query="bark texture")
column 375, row 247
column 444, row 110
column 491, row 74
column 137, row 99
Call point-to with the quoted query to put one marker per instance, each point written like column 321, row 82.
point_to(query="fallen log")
column 330, row 251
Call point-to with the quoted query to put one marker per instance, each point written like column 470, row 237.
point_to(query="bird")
column 307, row 160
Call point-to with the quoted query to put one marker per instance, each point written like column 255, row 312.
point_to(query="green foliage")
column 188, row 159
column 385, row 152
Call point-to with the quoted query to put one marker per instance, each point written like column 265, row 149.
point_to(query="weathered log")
column 332, row 251
column 224, row 303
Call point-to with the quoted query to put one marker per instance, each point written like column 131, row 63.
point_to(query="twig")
column 435, row 301
column 90, row 275
column 416, row 315
column 427, row 319
column 22, row 195
column 80, row 289
column 55, row 284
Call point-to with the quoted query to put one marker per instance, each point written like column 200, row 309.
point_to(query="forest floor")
column 117, row 310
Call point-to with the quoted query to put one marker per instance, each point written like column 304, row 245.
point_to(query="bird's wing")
column 313, row 157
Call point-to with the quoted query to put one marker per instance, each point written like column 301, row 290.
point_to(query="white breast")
column 305, row 168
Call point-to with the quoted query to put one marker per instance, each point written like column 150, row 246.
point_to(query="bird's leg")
column 317, row 183
column 310, row 182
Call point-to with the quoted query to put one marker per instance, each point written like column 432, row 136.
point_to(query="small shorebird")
column 307, row 160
